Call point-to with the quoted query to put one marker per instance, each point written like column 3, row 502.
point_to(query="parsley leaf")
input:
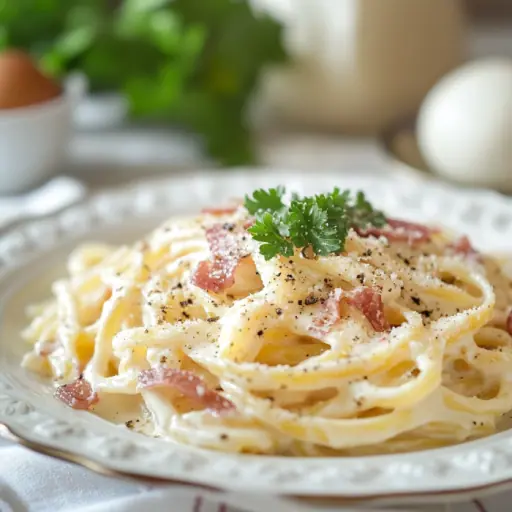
column 334, row 200
column 309, row 226
column 265, row 200
column 363, row 214
column 320, row 223
column 335, row 204
column 273, row 236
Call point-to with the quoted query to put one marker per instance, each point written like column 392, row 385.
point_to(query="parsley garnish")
column 363, row 214
column 319, row 222
column 309, row 225
column 270, row 230
column 262, row 201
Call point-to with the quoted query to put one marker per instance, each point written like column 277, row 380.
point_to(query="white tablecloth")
column 34, row 482
column 30, row 482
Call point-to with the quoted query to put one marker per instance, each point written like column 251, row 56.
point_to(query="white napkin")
column 52, row 196
column 37, row 483
column 30, row 482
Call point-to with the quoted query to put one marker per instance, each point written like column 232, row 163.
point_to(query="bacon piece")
column 330, row 315
column 399, row 231
column 463, row 246
column 78, row 394
column 218, row 273
column 227, row 210
column 365, row 299
column 369, row 302
column 249, row 223
column 188, row 384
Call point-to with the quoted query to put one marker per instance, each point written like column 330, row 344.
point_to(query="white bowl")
column 33, row 143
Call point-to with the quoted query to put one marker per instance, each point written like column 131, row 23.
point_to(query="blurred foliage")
column 193, row 62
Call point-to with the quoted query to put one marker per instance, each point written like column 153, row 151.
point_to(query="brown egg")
column 21, row 83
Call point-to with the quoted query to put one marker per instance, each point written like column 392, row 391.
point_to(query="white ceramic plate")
column 33, row 254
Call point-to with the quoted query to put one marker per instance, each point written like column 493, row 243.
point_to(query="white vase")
column 361, row 64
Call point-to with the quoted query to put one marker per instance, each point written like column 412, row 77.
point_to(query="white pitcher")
column 361, row 64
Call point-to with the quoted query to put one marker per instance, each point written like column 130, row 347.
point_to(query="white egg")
column 465, row 124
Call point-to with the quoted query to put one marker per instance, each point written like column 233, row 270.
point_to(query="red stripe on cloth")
column 198, row 504
column 479, row 505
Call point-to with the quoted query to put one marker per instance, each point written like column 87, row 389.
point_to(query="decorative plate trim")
column 41, row 423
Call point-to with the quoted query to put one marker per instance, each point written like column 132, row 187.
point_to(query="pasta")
column 401, row 342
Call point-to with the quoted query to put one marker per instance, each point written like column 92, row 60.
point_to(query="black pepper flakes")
column 228, row 226
column 416, row 300
column 310, row 300
column 260, row 332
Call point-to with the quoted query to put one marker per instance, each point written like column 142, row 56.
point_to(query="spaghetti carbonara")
column 401, row 342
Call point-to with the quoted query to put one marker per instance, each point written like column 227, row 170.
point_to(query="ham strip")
column 220, row 211
column 399, row 231
column 463, row 246
column 218, row 273
column 188, row 384
column 78, row 394
column 365, row 299
column 330, row 314
column 369, row 302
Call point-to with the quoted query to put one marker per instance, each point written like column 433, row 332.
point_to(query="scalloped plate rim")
column 420, row 474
